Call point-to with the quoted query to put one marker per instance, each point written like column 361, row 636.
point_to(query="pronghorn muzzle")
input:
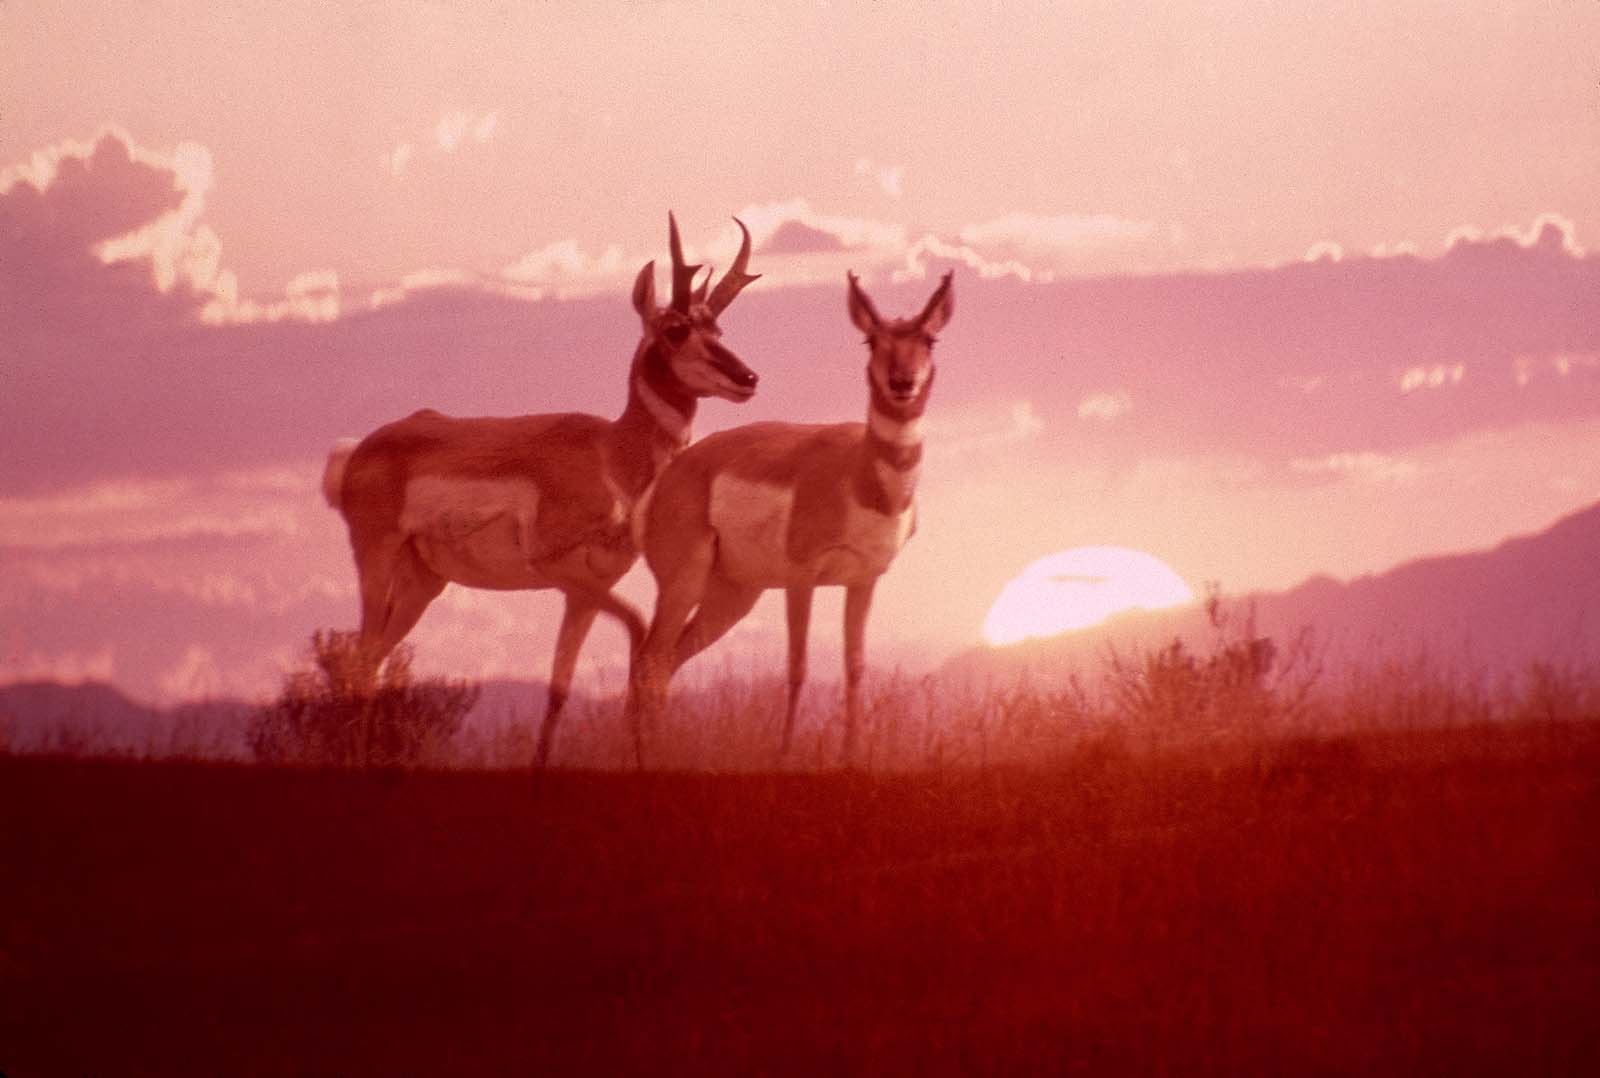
column 734, row 369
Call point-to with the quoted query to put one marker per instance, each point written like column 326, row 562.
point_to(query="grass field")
column 1412, row 902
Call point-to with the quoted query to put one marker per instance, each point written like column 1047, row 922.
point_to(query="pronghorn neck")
column 655, row 425
column 891, row 457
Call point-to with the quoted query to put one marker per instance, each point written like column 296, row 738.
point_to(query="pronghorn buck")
column 792, row 506
column 536, row 501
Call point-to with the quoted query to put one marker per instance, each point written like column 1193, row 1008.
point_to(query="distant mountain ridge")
column 1530, row 598
column 47, row 716
column 97, row 717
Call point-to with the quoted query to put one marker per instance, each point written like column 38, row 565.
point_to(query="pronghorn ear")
column 644, row 292
column 862, row 312
column 939, row 309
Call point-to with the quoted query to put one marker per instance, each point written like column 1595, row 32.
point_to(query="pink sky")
column 1266, row 293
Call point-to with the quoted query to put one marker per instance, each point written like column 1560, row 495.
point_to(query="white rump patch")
column 333, row 473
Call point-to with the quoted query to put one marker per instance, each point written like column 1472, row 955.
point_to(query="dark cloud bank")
column 105, row 376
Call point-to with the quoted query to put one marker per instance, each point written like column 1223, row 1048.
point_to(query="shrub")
column 333, row 712
column 1247, row 684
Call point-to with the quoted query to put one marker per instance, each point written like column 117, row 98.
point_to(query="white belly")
column 868, row 546
column 753, row 520
column 478, row 532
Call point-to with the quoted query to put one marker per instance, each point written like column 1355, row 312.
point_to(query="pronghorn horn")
column 682, row 275
column 734, row 281
column 699, row 295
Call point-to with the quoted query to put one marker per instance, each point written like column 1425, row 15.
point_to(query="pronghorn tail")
column 333, row 474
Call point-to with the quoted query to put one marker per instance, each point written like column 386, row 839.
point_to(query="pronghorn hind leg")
column 798, row 610
column 857, row 602
column 396, row 587
column 576, row 618
column 375, row 570
column 678, row 593
column 722, row 607
column 412, row 586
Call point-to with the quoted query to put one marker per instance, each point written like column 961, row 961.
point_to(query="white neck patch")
column 668, row 418
column 895, row 431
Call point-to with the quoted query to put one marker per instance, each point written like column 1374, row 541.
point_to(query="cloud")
column 425, row 280
column 149, row 511
column 1323, row 251
column 1026, row 231
column 1398, row 249
column 77, row 221
column 1365, row 467
column 107, row 234
column 1549, row 234
column 919, row 257
column 196, row 675
column 66, row 667
column 1105, row 407
column 764, row 219
column 793, row 245
column 889, row 178
column 1028, row 247
column 799, row 238
column 396, row 160
column 456, row 126
column 564, row 268
column 1308, row 384
column 451, row 129
column 1562, row 364
column 975, row 429
column 1437, row 376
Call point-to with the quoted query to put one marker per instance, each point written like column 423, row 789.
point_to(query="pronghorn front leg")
column 584, row 583
column 576, row 618
column 857, row 602
column 798, row 608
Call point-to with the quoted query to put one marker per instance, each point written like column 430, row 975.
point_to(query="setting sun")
column 1077, row 588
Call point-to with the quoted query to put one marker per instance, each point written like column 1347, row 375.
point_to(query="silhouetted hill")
column 95, row 717
column 1531, row 598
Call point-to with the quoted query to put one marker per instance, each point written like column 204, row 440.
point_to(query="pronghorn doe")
column 792, row 506
column 536, row 501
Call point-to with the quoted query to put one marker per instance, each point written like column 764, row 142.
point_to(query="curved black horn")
column 734, row 281
column 682, row 275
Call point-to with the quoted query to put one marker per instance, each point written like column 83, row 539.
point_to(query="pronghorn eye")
column 676, row 335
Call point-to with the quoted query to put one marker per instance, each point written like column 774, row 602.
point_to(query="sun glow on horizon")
column 1080, row 588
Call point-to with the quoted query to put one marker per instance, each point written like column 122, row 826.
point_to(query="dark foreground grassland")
column 1421, row 902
